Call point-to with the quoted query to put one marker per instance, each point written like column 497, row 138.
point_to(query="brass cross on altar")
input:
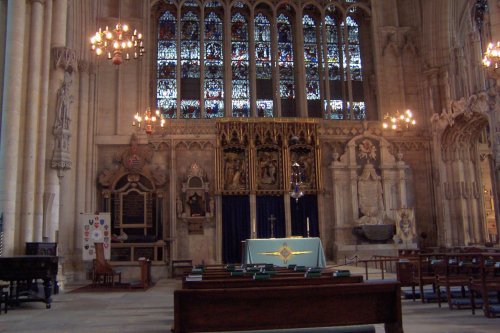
column 271, row 220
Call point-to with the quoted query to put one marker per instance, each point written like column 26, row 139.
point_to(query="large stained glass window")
column 190, row 60
column 263, row 71
column 198, row 69
column 214, row 65
column 166, row 90
column 240, row 64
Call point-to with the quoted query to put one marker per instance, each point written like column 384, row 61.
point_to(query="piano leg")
column 47, row 291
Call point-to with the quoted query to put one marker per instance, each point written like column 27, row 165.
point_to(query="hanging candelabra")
column 149, row 120
column 296, row 182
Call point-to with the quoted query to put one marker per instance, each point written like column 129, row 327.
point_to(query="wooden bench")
column 249, row 282
column 182, row 265
column 235, row 309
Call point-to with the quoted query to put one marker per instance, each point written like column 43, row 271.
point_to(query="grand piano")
column 23, row 273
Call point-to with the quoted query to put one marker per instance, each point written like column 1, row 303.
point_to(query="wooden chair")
column 456, row 270
column 486, row 283
column 4, row 297
column 103, row 272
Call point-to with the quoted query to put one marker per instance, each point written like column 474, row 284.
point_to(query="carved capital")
column 64, row 58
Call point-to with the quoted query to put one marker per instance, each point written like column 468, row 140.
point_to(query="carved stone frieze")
column 398, row 40
column 194, row 145
column 64, row 58
column 478, row 103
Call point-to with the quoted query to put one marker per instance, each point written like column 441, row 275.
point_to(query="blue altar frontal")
column 285, row 251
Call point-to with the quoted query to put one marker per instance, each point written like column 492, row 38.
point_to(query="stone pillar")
column 31, row 127
column 11, row 114
column 42, row 126
column 81, row 153
column 52, row 185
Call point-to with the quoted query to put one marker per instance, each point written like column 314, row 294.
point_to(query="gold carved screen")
column 255, row 156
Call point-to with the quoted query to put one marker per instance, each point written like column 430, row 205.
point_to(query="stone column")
column 81, row 153
column 52, row 185
column 42, row 125
column 31, row 127
column 11, row 114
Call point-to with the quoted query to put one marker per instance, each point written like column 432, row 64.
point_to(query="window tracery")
column 195, row 71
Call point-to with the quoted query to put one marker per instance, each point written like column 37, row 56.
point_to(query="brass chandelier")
column 399, row 121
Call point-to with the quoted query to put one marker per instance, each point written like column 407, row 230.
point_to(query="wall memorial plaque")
column 133, row 204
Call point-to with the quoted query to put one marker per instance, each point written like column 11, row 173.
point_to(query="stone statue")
column 405, row 225
column 179, row 206
column 64, row 99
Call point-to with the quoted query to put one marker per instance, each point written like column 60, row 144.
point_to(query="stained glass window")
column 311, row 56
column 263, row 68
column 285, row 57
column 190, row 60
column 354, row 52
column 166, row 91
column 262, row 47
column 357, row 110
column 240, row 66
column 214, row 65
column 334, row 84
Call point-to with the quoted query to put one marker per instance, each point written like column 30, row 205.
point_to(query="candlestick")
column 254, row 235
column 307, row 227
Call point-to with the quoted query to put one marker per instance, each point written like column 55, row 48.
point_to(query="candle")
column 253, row 227
column 308, row 227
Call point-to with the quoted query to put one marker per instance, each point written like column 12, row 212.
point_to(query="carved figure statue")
column 179, row 206
column 64, row 99
column 370, row 196
column 234, row 170
column 405, row 225
column 195, row 205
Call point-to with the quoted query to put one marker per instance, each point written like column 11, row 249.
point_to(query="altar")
column 284, row 251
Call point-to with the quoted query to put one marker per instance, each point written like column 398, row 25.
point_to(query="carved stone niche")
column 369, row 184
column 195, row 205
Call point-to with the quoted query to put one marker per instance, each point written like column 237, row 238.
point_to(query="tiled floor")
column 151, row 311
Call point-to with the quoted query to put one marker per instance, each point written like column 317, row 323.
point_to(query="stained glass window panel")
column 167, row 69
column 265, row 108
column 166, row 89
column 190, row 109
column 241, row 108
column 334, row 110
column 190, row 69
column 262, row 47
column 285, row 57
column 168, row 107
column 166, row 84
column 213, row 89
column 214, row 109
column 311, row 56
column 214, row 65
column 358, row 110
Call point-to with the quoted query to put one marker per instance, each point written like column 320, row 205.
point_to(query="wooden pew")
column 235, row 309
column 249, row 282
